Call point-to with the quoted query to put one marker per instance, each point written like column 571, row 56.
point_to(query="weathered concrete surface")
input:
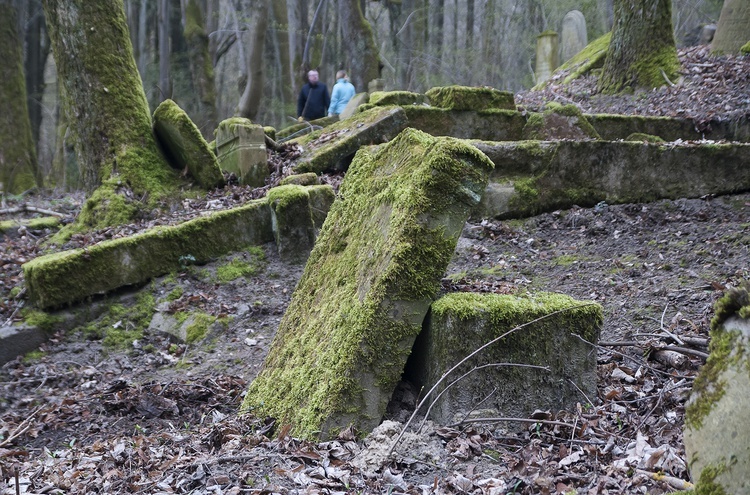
column 461, row 323
column 292, row 222
column 559, row 122
column 342, row 344
column 71, row 276
column 241, row 149
column 402, row 98
column 185, row 146
column 531, row 177
column 321, row 200
column 17, row 340
column 333, row 147
column 487, row 125
column 717, row 415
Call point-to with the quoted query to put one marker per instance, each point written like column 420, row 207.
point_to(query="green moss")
column 306, row 179
column 745, row 49
column 649, row 138
column 382, row 98
column 15, row 291
column 707, row 484
column 470, row 98
column 238, row 268
column 565, row 260
column 708, row 386
column 198, row 329
column 33, row 356
column 591, row 57
column 376, row 265
column 41, row 320
column 175, row 294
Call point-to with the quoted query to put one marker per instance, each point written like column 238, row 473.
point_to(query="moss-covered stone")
column 185, row 145
column 745, row 49
column 559, row 122
column 648, row 138
column 613, row 127
column 343, row 342
column 332, row 148
column 461, row 323
column 717, row 440
column 270, row 131
column 469, row 98
column 591, row 57
column 292, row 220
column 71, row 276
column 241, row 149
column 321, row 200
column 383, row 98
column 10, row 227
column 487, row 125
column 306, row 179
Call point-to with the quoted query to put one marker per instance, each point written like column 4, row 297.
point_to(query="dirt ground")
column 85, row 416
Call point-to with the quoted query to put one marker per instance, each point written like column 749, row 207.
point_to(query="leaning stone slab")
column 717, row 415
column 468, row 98
column 70, row 276
column 333, row 147
column 539, row 330
column 241, row 149
column 342, row 344
column 292, row 222
column 185, row 145
column 351, row 107
column 532, row 177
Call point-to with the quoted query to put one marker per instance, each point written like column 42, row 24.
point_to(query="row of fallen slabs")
column 375, row 268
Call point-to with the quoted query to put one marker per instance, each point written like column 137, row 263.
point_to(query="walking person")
column 342, row 92
column 313, row 98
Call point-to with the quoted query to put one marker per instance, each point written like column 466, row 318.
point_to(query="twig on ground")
column 32, row 209
column 674, row 337
column 675, row 483
column 22, row 428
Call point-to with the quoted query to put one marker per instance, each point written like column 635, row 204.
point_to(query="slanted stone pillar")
column 574, row 37
column 546, row 56
column 461, row 323
column 241, row 148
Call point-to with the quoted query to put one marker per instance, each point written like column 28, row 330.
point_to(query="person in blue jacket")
column 313, row 98
column 342, row 92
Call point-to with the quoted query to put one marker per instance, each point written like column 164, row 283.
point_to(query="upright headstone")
column 241, row 148
column 546, row 55
column 376, row 85
column 574, row 37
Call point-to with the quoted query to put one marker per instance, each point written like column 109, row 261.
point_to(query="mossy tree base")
column 461, row 323
column 342, row 344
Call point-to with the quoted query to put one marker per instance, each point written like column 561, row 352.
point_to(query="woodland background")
column 219, row 58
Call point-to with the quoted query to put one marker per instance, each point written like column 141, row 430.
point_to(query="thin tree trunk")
column 37, row 49
column 143, row 39
column 642, row 52
column 298, row 27
column 253, row 38
column 165, row 83
column 18, row 167
column 361, row 51
column 201, row 69
column 107, row 111
column 282, row 34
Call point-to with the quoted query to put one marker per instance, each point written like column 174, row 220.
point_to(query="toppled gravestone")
column 717, row 415
column 185, row 145
column 241, row 149
column 461, row 323
column 333, row 147
column 343, row 342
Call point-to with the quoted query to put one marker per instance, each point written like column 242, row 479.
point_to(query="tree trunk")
column 201, row 69
column 107, row 112
column 165, row 82
column 359, row 45
column 18, row 167
column 642, row 52
column 37, row 49
column 283, row 33
column 733, row 29
column 298, row 27
column 254, row 38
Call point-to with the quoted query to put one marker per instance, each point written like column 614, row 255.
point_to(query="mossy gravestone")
column 377, row 264
column 539, row 364
column 241, row 148
column 717, row 416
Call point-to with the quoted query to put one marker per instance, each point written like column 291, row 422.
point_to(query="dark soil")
column 155, row 416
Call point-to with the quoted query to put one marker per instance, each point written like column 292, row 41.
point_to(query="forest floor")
column 86, row 414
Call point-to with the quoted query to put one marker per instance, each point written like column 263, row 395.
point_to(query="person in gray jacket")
column 342, row 92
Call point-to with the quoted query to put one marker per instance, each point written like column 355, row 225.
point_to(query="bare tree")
column 642, row 52
column 201, row 68
column 18, row 167
column 253, row 36
column 359, row 44
column 165, row 81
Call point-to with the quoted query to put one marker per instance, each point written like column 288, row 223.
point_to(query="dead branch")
column 689, row 352
column 33, row 209
column 675, row 483
column 22, row 428
column 520, row 420
column 671, row 358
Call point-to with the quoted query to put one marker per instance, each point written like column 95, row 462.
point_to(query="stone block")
column 717, row 415
column 559, row 122
column 333, row 147
column 306, row 179
column 292, row 222
column 486, row 125
column 351, row 107
column 383, row 98
column 185, row 146
column 544, row 323
column 241, row 149
column 468, row 98
column 321, row 200
column 377, row 264
column 17, row 340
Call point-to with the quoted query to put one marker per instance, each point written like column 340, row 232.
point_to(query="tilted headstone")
column 351, row 107
column 540, row 329
column 573, row 38
column 343, row 342
column 546, row 56
column 241, row 148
